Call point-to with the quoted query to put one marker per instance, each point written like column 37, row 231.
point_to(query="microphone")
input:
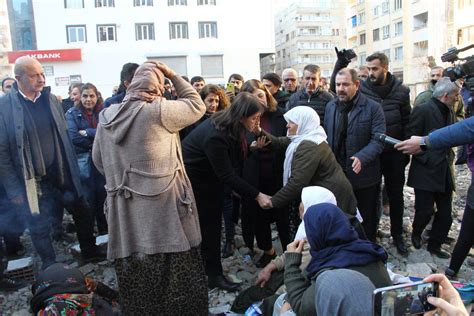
column 387, row 139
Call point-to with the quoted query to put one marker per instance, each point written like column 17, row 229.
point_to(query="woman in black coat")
column 212, row 154
column 264, row 170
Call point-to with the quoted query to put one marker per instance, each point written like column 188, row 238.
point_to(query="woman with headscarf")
column 309, row 161
column 213, row 155
column 334, row 244
column 154, row 234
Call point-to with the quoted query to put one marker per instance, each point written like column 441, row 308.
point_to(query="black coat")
column 212, row 157
column 396, row 107
column 317, row 101
column 251, row 167
column 430, row 170
column 282, row 98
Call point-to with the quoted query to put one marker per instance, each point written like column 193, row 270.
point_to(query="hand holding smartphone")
column 230, row 88
column 405, row 299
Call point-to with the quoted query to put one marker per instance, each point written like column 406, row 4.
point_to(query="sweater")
column 150, row 205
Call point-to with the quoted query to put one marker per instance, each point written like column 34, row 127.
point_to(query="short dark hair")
column 127, row 73
column 348, row 71
column 196, row 79
column 236, row 77
column 274, row 78
column 313, row 68
column 5, row 79
column 185, row 78
column 380, row 56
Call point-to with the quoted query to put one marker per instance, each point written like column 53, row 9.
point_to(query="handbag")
column 84, row 160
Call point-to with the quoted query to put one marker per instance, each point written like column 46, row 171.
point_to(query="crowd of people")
column 163, row 162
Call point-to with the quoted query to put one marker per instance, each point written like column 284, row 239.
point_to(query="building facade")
column 306, row 32
column 210, row 38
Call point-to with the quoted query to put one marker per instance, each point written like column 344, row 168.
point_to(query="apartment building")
column 5, row 42
column 306, row 32
column 412, row 33
column 90, row 40
column 463, row 24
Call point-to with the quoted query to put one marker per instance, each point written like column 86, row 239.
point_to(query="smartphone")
column 230, row 87
column 405, row 299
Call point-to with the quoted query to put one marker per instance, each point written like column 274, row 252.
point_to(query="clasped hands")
column 265, row 201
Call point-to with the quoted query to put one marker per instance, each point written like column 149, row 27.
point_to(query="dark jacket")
column 430, row 170
column 76, row 122
column 301, row 291
column 188, row 129
column 396, row 107
column 314, row 165
column 67, row 104
column 213, row 157
column 12, row 140
column 282, row 98
column 251, row 166
column 365, row 120
column 116, row 99
column 425, row 96
column 317, row 101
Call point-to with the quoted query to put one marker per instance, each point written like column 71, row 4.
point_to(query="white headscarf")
column 311, row 196
column 309, row 128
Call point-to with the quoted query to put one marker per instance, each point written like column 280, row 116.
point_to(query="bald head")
column 290, row 80
column 29, row 75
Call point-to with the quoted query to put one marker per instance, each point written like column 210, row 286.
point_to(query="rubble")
column 240, row 267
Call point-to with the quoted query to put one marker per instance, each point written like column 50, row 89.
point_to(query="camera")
column 464, row 69
column 345, row 54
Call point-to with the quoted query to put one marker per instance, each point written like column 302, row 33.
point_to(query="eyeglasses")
column 289, row 79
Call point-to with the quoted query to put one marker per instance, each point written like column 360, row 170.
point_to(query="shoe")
column 9, row 285
column 62, row 236
column 220, row 281
column 449, row 240
column 416, row 241
column 228, row 249
column 438, row 252
column 386, row 209
column 401, row 248
column 265, row 259
column 98, row 254
column 450, row 274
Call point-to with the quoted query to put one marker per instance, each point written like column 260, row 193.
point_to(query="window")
column 466, row 35
column 385, row 7
column 376, row 35
column 142, row 3
column 398, row 28
column 362, row 39
column 106, row 33
column 397, row 5
column 144, row 31
column 212, row 66
column 420, row 49
column 177, row 2
column 104, row 3
column 74, row 4
column 209, row 30
column 335, row 32
column 376, row 11
column 361, row 18
column 178, row 30
column 206, row 2
column 399, row 53
column 177, row 63
column 287, row 37
column 420, row 21
column 354, row 20
column 362, row 57
column 387, row 53
column 386, row 32
column 76, row 34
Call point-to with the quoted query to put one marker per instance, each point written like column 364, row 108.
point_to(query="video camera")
column 464, row 69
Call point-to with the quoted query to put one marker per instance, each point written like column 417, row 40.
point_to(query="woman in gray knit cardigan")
column 154, row 233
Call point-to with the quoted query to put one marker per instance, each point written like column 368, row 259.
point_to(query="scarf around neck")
column 309, row 128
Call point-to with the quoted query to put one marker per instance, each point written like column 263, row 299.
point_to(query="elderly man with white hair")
column 431, row 172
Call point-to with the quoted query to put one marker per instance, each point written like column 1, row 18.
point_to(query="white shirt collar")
column 36, row 98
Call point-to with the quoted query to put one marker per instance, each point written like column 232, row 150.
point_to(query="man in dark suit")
column 431, row 173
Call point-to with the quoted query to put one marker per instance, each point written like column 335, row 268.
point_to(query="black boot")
column 416, row 241
column 221, row 282
column 401, row 248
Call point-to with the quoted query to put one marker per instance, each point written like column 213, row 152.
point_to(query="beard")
column 377, row 80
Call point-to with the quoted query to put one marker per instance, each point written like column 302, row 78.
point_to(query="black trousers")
column 465, row 240
column 367, row 199
column 424, row 202
column 393, row 169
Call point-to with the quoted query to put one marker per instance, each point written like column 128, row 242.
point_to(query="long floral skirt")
column 163, row 284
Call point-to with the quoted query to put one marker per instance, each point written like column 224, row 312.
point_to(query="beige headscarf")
column 147, row 83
